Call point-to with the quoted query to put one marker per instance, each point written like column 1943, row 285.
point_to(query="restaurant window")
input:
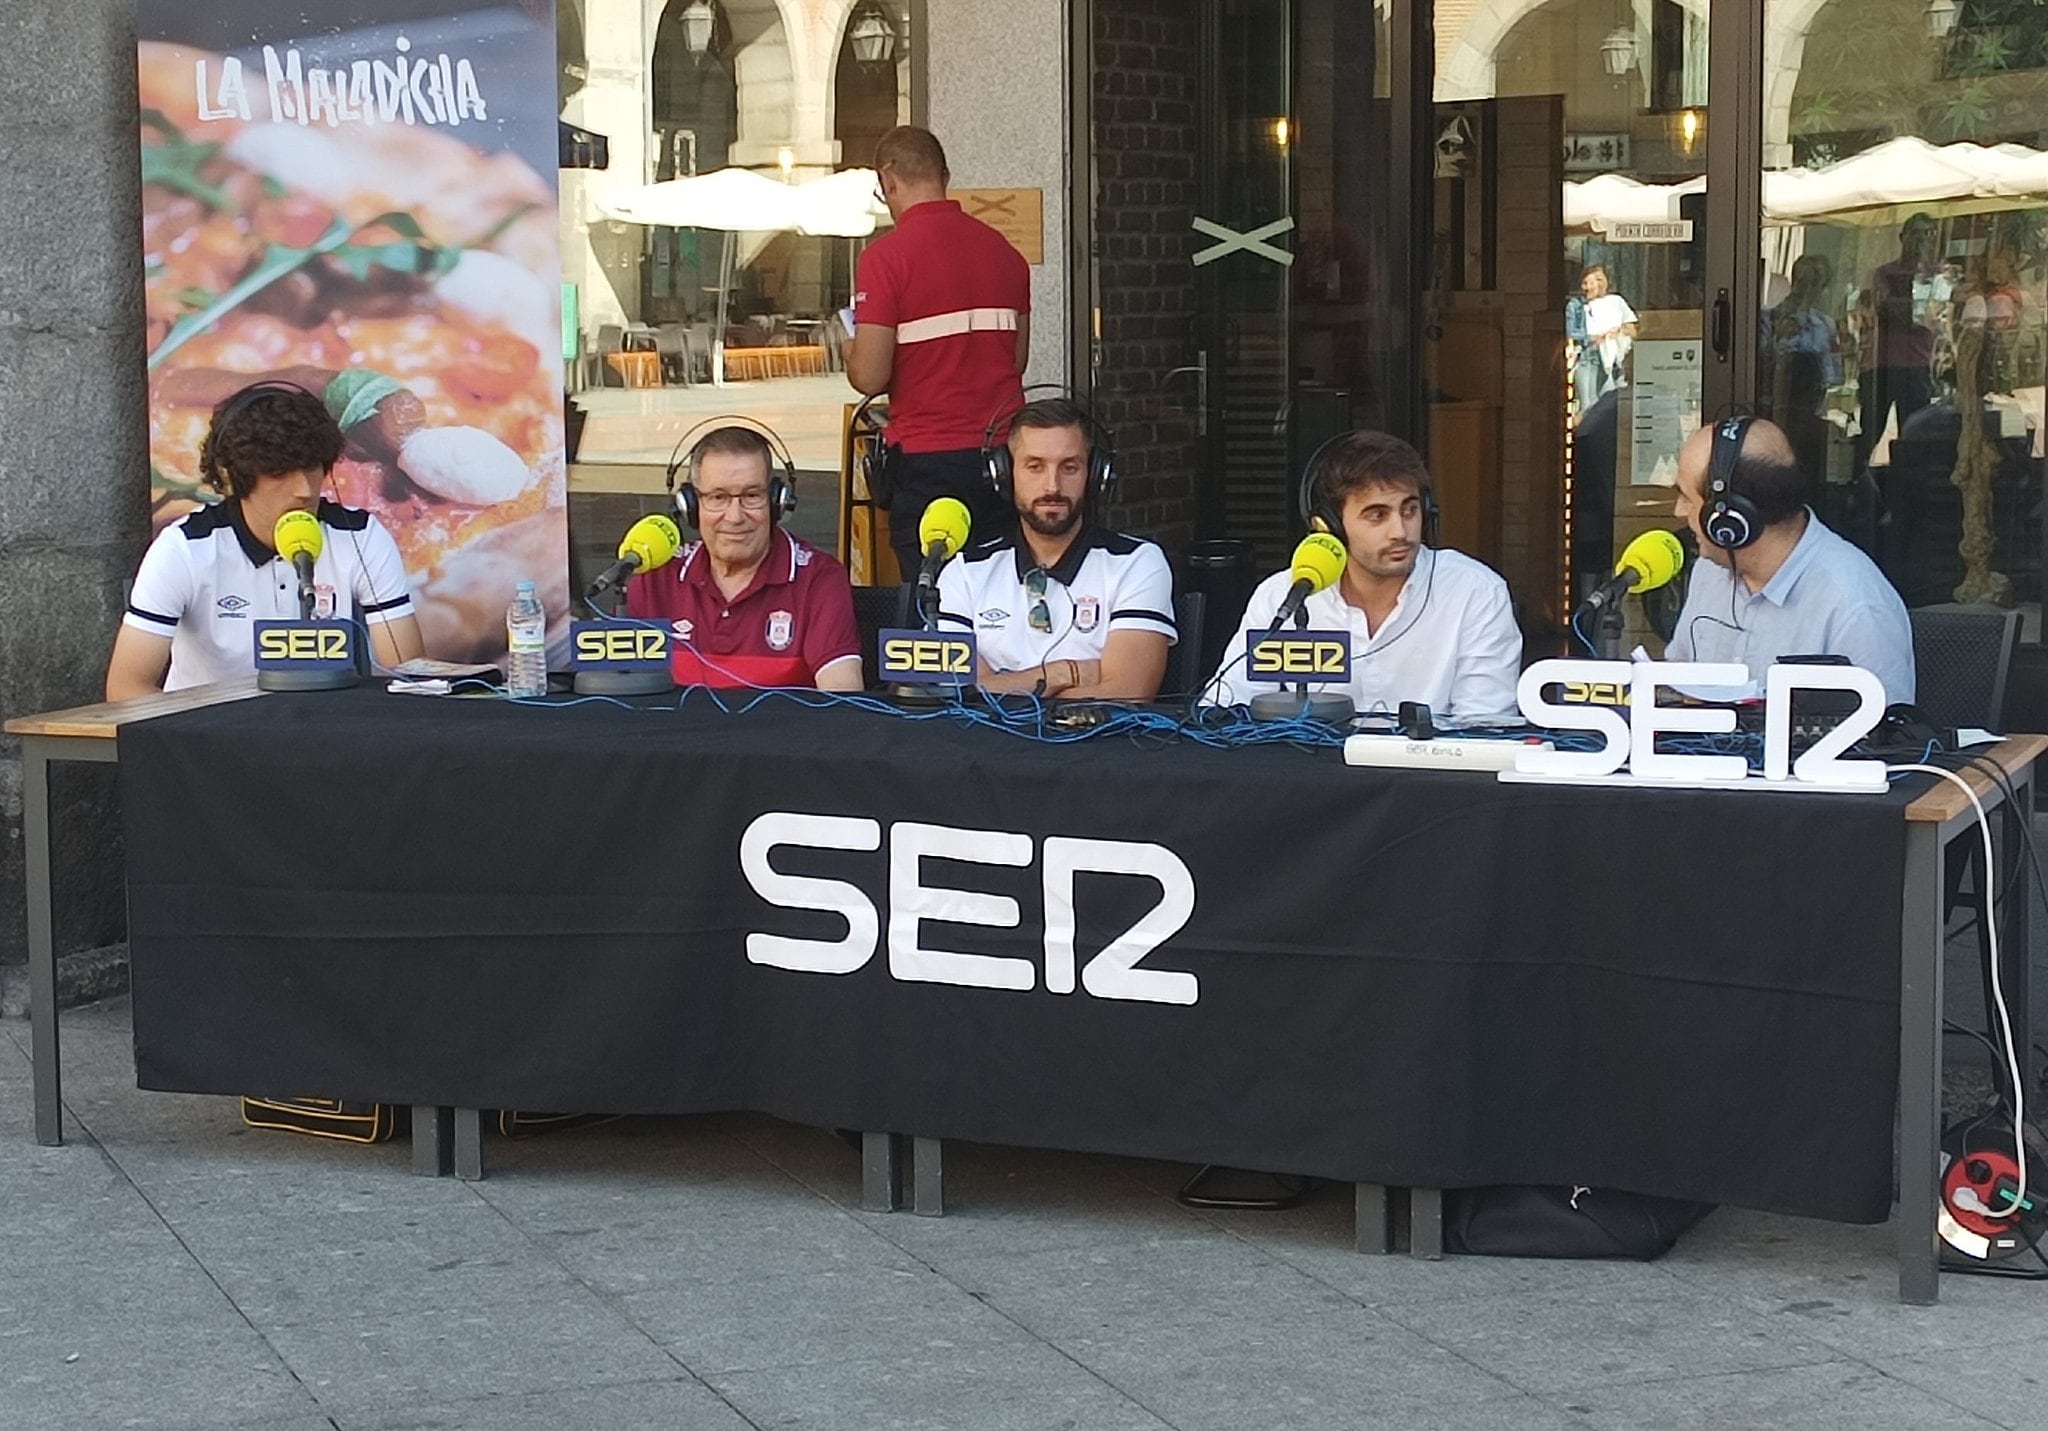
column 674, row 312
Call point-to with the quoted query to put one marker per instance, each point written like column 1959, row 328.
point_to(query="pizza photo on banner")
column 360, row 199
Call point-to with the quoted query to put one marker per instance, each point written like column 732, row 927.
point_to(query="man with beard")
column 1063, row 607
column 1426, row 624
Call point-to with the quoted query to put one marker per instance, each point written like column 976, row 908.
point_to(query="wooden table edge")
column 103, row 720
column 1944, row 802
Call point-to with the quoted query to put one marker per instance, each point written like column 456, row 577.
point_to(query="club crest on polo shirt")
column 233, row 606
column 781, row 630
column 1087, row 612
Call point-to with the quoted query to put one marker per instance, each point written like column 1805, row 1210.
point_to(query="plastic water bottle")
column 526, row 641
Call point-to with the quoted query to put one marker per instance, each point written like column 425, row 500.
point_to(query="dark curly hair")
column 265, row 429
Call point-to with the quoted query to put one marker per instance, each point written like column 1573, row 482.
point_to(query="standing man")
column 942, row 324
column 1896, row 365
column 1775, row 582
column 748, row 604
column 1064, row 606
column 1426, row 624
column 207, row 579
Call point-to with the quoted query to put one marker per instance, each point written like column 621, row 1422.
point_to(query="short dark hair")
column 739, row 441
column 1051, row 412
column 264, row 432
column 1367, row 459
column 914, row 153
column 1768, row 473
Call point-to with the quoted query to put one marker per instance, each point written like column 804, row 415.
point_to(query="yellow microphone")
column 1318, row 563
column 943, row 528
column 298, row 539
column 651, row 542
column 941, row 532
column 1650, row 561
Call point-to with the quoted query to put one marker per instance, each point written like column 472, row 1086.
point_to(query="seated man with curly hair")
column 207, row 578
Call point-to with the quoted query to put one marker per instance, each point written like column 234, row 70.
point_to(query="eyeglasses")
column 1040, row 615
column 717, row 504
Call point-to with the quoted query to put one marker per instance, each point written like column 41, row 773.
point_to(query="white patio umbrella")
column 739, row 201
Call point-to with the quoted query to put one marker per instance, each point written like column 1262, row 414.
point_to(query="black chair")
column 1184, row 673
column 877, row 609
column 1961, row 657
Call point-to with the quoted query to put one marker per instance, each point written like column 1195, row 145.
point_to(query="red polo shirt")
column 954, row 290
column 794, row 619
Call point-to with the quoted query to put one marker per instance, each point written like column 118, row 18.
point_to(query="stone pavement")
column 169, row 1269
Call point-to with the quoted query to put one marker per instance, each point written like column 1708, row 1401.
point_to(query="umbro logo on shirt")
column 994, row 617
column 232, row 605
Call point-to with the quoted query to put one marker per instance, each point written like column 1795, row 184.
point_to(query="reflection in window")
column 675, row 323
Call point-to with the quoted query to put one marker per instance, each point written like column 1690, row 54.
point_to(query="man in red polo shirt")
column 942, row 323
column 748, row 604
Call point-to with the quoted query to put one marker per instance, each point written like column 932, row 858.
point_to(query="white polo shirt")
column 1104, row 582
column 206, row 580
column 1450, row 642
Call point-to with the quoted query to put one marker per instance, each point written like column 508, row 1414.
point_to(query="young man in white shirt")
column 209, row 577
column 1064, row 607
column 1426, row 624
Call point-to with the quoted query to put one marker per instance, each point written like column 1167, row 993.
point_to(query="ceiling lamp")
column 1618, row 50
column 872, row 37
column 698, row 20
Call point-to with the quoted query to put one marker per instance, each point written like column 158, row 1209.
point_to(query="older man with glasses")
column 1063, row 606
column 747, row 603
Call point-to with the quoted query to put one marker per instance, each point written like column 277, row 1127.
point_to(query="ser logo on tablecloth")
column 1113, row 973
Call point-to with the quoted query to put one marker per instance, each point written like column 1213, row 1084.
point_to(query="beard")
column 1036, row 517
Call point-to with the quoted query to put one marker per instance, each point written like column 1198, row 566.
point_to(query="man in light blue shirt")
column 1774, row 581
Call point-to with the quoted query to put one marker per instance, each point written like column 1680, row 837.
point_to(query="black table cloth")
column 1412, row 977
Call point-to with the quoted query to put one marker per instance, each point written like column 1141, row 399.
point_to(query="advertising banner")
column 360, row 199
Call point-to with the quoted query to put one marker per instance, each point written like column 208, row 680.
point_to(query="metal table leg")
column 1920, row 979
column 1426, row 1223
column 1373, row 1218
column 42, row 942
column 433, row 1141
column 928, row 1177
column 469, row 1144
column 881, row 1172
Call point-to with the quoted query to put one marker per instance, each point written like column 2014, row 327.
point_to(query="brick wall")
column 1146, row 147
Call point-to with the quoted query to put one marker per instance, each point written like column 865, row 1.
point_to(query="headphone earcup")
column 782, row 494
column 1322, row 519
column 1101, row 475
column 996, row 461
column 686, row 505
column 1731, row 522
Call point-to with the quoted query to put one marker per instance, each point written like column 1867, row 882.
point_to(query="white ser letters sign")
column 1111, row 974
column 1632, row 741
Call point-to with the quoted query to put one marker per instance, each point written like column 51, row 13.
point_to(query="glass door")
column 1244, row 249
column 1569, row 291
column 1904, row 255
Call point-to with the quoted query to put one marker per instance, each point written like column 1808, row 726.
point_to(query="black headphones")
column 781, row 485
column 1731, row 520
column 864, row 431
column 225, row 416
column 1319, row 516
column 1102, row 475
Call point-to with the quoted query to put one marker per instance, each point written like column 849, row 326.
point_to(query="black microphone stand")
column 621, row 683
column 1332, row 707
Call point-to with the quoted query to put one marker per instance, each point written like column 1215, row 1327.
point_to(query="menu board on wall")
column 1664, row 389
column 368, row 211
